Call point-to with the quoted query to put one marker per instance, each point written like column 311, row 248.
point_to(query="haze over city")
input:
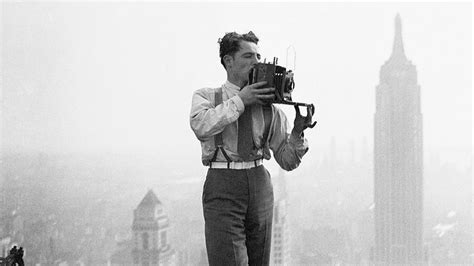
column 96, row 100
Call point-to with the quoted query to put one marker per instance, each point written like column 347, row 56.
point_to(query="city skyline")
column 92, row 109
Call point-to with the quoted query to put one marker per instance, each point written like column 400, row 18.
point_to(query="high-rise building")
column 280, row 249
column 398, row 161
column 150, row 231
column 150, row 243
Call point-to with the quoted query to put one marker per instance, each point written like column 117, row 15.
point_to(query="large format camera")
column 276, row 77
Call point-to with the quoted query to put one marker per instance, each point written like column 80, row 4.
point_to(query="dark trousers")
column 238, row 212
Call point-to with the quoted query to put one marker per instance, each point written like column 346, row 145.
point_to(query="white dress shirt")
column 208, row 120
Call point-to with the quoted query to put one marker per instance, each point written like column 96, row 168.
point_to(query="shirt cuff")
column 238, row 103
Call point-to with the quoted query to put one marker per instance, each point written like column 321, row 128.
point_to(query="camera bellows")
column 245, row 138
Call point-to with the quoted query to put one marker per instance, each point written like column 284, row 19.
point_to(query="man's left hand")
column 303, row 122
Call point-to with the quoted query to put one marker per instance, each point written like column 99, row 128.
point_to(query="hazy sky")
column 120, row 76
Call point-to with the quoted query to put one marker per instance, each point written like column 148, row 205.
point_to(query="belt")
column 235, row 165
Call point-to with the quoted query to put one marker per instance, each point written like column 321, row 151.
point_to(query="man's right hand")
column 253, row 94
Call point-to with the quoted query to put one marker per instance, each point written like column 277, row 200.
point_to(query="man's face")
column 243, row 61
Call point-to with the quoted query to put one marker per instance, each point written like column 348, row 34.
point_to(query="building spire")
column 398, row 51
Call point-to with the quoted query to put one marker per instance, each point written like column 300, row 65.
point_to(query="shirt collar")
column 231, row 87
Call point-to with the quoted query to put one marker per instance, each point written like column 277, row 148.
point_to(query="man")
column 237, row 131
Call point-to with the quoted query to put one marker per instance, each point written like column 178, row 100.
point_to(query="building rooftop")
column 149, row 200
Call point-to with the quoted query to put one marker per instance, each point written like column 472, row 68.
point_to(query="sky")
column 119, row 77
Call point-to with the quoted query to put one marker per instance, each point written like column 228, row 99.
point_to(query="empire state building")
column 398, row 161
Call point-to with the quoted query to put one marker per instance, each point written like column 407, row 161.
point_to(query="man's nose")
column 255, row 60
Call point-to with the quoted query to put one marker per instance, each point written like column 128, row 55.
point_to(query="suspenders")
column 218, row 142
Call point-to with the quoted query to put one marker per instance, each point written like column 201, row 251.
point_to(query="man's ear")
column 228, row 61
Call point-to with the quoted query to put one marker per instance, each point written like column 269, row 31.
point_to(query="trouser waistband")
column 235, row 165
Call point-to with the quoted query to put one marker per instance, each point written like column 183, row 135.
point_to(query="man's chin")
column 244, row 80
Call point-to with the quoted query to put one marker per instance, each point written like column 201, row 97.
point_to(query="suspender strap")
column 267, row 119
column 218, row 142
column 218, row 100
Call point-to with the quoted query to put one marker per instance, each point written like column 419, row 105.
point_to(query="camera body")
column 276, row 77
column 282, row 80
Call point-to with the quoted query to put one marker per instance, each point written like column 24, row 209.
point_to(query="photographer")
column 237, row 131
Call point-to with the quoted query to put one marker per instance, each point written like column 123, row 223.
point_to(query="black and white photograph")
column 236, row 133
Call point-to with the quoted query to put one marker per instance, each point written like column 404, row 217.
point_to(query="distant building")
column 398, row 161
column 280, row 249
column 150, row 243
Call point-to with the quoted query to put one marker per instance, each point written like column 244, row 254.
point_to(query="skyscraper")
column 151, row 233
column 398, row 161
column 280, row 253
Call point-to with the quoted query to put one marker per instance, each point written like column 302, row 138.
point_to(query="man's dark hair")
column 230, row 43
